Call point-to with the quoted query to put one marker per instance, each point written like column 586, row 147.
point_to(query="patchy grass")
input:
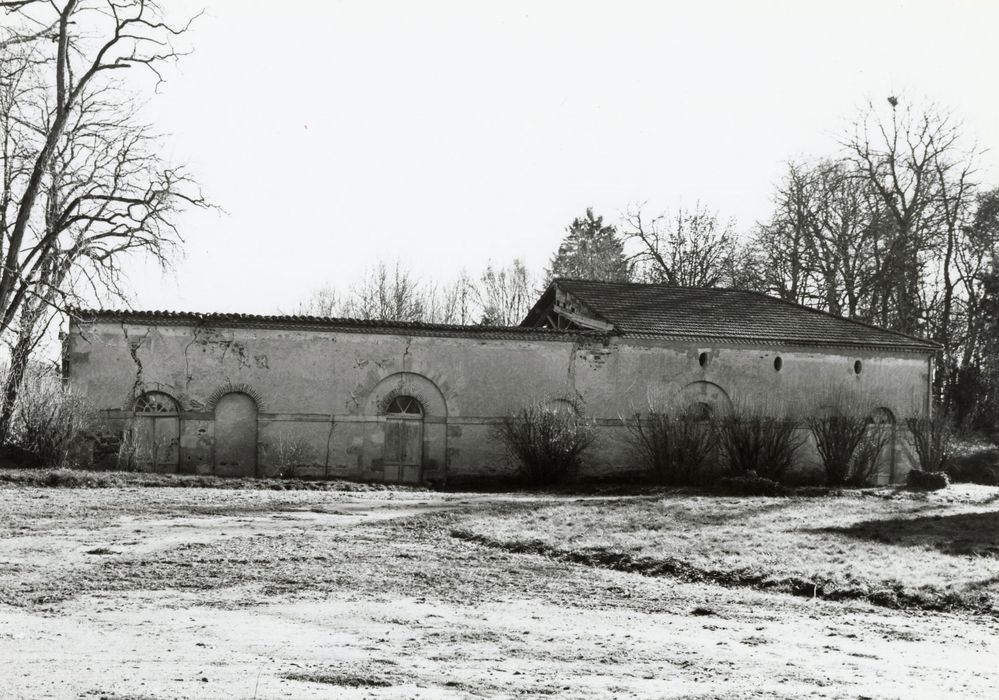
column 86, row 479
column 214, row 593
column 910, row 550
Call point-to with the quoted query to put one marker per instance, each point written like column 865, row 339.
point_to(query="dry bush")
column 848, row 443
column 933, row 439
column 49, row 420
column 288, row 454
column 763, row 440
column 674, row 442
column 126, row 457
column 546, row 442
column 865, row 459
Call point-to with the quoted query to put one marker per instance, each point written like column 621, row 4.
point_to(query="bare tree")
column 820, row 247
column 393, row 293
column 83, row 184
column 906, row 156
column 499, row 296
column 895, row 232
column 506, row 294
column 325, row 302
column 455, row 303
column 690, row 248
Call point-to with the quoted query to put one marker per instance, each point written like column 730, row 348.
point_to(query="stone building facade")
column 235, row 394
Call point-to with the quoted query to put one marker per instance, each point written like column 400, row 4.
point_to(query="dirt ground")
column 198, row 593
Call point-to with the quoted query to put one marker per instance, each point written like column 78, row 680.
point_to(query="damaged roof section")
column 718, row 315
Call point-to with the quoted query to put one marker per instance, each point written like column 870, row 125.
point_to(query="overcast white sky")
column 445, row 134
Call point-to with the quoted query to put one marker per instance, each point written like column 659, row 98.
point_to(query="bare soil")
column 208, row 593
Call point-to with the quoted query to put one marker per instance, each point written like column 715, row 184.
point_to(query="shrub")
column 289, row 454
column 849, row 449
column 754, row 441
column 865, row 459
column 929, row 481
column 49, row 421
column 933, row 439
column 673, row 443
column 547, row 442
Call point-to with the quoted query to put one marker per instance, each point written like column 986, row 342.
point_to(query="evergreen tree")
column 591, row 251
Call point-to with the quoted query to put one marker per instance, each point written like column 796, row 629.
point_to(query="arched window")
column 404, row 405
column 155, row 402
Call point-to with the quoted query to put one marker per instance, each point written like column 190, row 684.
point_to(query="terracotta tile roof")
column 650, row 310
column 345, row 325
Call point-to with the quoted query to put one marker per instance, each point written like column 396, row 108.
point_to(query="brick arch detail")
column 421, row 388
column 230, row 388
column 707, row 393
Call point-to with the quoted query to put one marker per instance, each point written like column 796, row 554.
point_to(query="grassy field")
column 140, row 591
column 903, row 549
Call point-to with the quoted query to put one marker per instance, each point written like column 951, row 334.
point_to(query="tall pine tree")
column 591, row 251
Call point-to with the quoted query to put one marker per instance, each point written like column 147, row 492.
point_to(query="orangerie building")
column 244, row 395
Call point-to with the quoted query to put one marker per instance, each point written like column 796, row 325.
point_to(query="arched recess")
column 156, row 432
column 707, row 393
column 403, row 444
column 883, row 421
column 235, row 435
column 409, row 443
column 406, row 384
column 706, row 400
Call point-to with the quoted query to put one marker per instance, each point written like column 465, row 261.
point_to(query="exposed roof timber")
column 582, row 321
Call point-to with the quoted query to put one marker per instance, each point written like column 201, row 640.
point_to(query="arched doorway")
column 882, row 420
column 236, row 435
column 156, row 433
column 403, row 446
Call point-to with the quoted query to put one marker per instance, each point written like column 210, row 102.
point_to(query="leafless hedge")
column 674, row 443
column 547, row 442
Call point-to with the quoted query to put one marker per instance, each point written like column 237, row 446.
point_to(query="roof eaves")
column 349, row 325
column 862, row 324
column 921, row 346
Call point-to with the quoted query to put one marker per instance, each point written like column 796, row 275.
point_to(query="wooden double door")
column 403, row 444
column 156, row 433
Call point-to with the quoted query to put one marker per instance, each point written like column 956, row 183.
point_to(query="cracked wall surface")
column 325, row 390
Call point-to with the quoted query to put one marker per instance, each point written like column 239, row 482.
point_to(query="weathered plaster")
column 329, row 389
